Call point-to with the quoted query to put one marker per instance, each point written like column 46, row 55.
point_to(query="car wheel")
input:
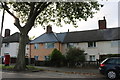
column 111, row 75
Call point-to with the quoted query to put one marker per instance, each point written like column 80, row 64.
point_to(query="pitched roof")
column 49, row 37
column 93, row 35
column 80, row 36
column 12, row 38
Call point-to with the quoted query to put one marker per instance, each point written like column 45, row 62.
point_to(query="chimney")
column 49, row 29
column 7, row 32
column 68, row 30
column 102, row 23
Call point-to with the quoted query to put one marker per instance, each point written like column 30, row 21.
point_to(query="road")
column 49, row 75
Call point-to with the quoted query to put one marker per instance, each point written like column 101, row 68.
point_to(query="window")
column 111, row 61
column 46, row 58
column 92, row 57
column 115, row 43
column 49, row 45
column 70, row 45
column 91, row 44
column 36, row 46
column 7, row 44
column 36, row 57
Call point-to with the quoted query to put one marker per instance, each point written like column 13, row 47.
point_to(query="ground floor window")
column 36, row 57
column 92, row 57
column 46, row 58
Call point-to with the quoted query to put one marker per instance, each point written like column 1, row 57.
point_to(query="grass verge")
column 29, row 68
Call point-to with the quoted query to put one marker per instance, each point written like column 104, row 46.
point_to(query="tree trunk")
column 20, row 63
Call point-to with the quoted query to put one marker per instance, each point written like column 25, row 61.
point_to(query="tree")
column 56, row 58
column 32, row 13
column 75, row 55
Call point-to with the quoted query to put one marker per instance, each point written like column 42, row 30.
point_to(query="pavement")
column 82, row 71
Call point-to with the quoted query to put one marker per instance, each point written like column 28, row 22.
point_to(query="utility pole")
column 2, row 30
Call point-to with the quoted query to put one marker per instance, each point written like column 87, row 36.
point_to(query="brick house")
column 42, row 46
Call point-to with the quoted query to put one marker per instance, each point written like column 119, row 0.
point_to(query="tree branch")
column 31, row 21
column 17, row 22
column 38, row 6
column 32, row 6
column 42, row 7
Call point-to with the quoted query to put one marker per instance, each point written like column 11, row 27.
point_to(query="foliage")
column 75, row 55
column 68, row 12
column 56, row 58
column 31, row 13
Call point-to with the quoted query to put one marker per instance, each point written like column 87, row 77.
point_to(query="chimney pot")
column 102, row 23
column 7, row 32
column 49, row 29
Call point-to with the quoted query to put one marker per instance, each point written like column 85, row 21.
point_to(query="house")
column 10, row 44
column 95, row 43
column 42, row 46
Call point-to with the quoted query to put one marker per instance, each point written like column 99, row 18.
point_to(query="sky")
column 109, row 10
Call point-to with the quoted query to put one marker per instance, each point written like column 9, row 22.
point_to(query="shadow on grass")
column 29, row 68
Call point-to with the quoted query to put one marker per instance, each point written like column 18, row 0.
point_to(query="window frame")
column 70, row 45
column 46, row 58
column 115, row 43
column 92, row 44
column 7, row 44
column 92, row 58
column 48, row 45
column 36, row 46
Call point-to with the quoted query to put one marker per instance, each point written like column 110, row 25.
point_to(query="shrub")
column 75, row 55
column 56, row 58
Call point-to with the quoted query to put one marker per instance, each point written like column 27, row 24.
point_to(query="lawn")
column 29, row 68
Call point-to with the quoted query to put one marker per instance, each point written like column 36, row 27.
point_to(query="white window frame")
column 70, row 45
column 49, row 45
column 92, row 58
column 115, row 43
column 36, row 46
column 91, row 44
column 46, row 58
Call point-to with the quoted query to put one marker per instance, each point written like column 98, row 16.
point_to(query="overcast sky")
column 109, row 10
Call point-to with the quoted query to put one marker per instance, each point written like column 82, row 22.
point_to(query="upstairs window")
column 49, row 45
column 7, row 44
column 91, row 44
column 36, row 46
column 115, row 43
column 70, row 45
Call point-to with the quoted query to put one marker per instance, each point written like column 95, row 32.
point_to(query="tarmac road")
column 49, row 75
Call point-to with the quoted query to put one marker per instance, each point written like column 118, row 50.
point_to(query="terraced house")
column 95, row 43
column 10, row 45
column 42, row 46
